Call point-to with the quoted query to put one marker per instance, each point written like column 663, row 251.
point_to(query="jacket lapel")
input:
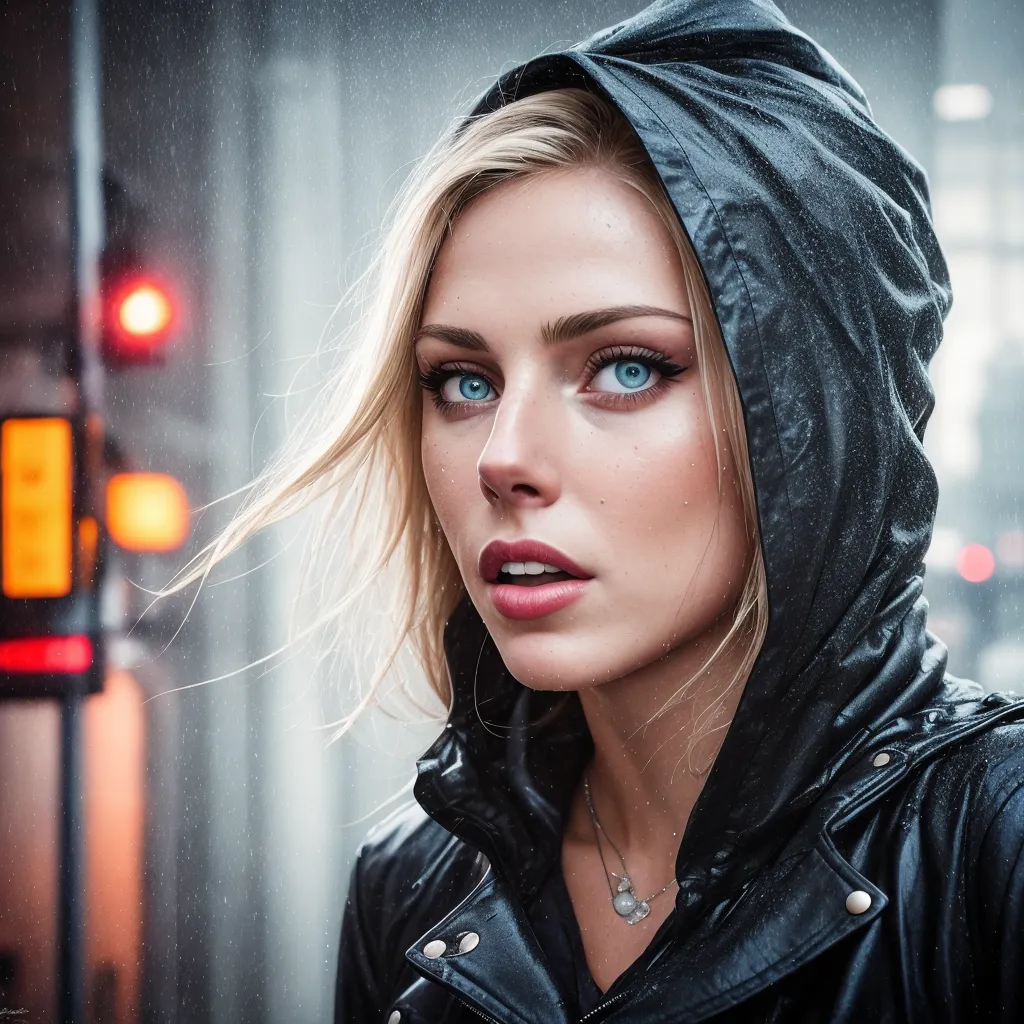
column 504, row 975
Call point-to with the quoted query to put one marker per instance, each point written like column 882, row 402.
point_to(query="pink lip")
column 535, row 602
column 516, row 602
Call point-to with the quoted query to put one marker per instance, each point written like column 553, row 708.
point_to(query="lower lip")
column 516, row 602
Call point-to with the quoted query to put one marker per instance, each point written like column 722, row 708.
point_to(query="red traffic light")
column 145, row 312
column 139, row 317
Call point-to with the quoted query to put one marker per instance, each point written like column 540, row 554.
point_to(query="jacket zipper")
column 479, row 1013
column 603, row 1006
column 597, row 1009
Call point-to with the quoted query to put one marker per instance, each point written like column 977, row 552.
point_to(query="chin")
column 565, row 661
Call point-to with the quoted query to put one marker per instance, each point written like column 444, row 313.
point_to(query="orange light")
column 147, row 512
column 36, row 476
column 44, row 654
column 975, row 563
column 145, row 311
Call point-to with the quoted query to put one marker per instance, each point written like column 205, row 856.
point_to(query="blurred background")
column 195, row 184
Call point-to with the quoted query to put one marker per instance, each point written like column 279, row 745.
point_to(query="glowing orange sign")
column 36, row 477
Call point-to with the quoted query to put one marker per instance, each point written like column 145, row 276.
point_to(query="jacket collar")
column 787, row 916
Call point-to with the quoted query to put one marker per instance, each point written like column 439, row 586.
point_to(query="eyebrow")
column 565, row 328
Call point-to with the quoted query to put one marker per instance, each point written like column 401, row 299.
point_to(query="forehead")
column 551, row 244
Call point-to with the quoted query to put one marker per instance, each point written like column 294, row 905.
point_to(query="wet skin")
column 593, row 438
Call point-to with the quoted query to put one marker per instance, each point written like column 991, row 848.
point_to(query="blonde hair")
column 360, row 448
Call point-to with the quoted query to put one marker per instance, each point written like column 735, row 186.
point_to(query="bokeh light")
column 976, row 563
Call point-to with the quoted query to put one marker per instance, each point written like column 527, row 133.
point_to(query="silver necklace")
column 625, row 902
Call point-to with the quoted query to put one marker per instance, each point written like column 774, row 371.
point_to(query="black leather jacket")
column 854, row 763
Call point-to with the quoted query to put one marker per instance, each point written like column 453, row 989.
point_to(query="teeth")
column 528, row 568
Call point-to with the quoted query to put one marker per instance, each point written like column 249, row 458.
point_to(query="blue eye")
column 632, row 375
column 467, row 387
column 623, row 376
column 473, row 388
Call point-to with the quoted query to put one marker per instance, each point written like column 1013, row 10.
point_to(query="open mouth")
column 531, row 574
column 530, row 579
column 527, row 563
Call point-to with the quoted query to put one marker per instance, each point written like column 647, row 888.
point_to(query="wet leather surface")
column 814, row 233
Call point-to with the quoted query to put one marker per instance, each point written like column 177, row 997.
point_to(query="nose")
column 518, row 465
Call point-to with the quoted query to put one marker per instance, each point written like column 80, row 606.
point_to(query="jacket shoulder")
column 989, row 764
column 966, row 804
column 408, row 860
column 953, row 800
column 408, row 826
column 979, row 851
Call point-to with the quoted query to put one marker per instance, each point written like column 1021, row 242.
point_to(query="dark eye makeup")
column 435, row 377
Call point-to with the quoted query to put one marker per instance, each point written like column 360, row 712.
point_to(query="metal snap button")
column 395, row 1018
column 433, row 949
column 880, row 760
column 858, row 901
column 469, row 942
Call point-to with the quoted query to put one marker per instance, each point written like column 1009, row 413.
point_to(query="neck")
column 654, row 746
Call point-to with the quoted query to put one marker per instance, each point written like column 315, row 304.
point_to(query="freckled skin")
column 628, row 490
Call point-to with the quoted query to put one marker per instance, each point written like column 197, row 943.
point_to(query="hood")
column 814, row 233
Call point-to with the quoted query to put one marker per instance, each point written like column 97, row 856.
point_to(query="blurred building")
column 256, row 147
column 974, row 439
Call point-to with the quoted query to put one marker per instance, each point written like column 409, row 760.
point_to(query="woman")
column 645, row 385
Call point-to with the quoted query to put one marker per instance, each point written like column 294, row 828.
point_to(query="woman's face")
column 566, row 444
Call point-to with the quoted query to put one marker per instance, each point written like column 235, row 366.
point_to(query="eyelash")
column 435, row 377
column 667, row 370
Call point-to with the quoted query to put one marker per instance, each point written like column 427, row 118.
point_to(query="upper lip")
column 498, row 552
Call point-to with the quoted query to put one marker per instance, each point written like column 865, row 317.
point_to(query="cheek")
column 449, row 469
column 679, row 533
column 658, row 469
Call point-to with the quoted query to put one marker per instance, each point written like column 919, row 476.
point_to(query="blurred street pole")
column 86, row 243
column 71, row 910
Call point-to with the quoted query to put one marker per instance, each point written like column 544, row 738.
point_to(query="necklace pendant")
column 624, row 884
column 625, row 904
column 639, row 913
